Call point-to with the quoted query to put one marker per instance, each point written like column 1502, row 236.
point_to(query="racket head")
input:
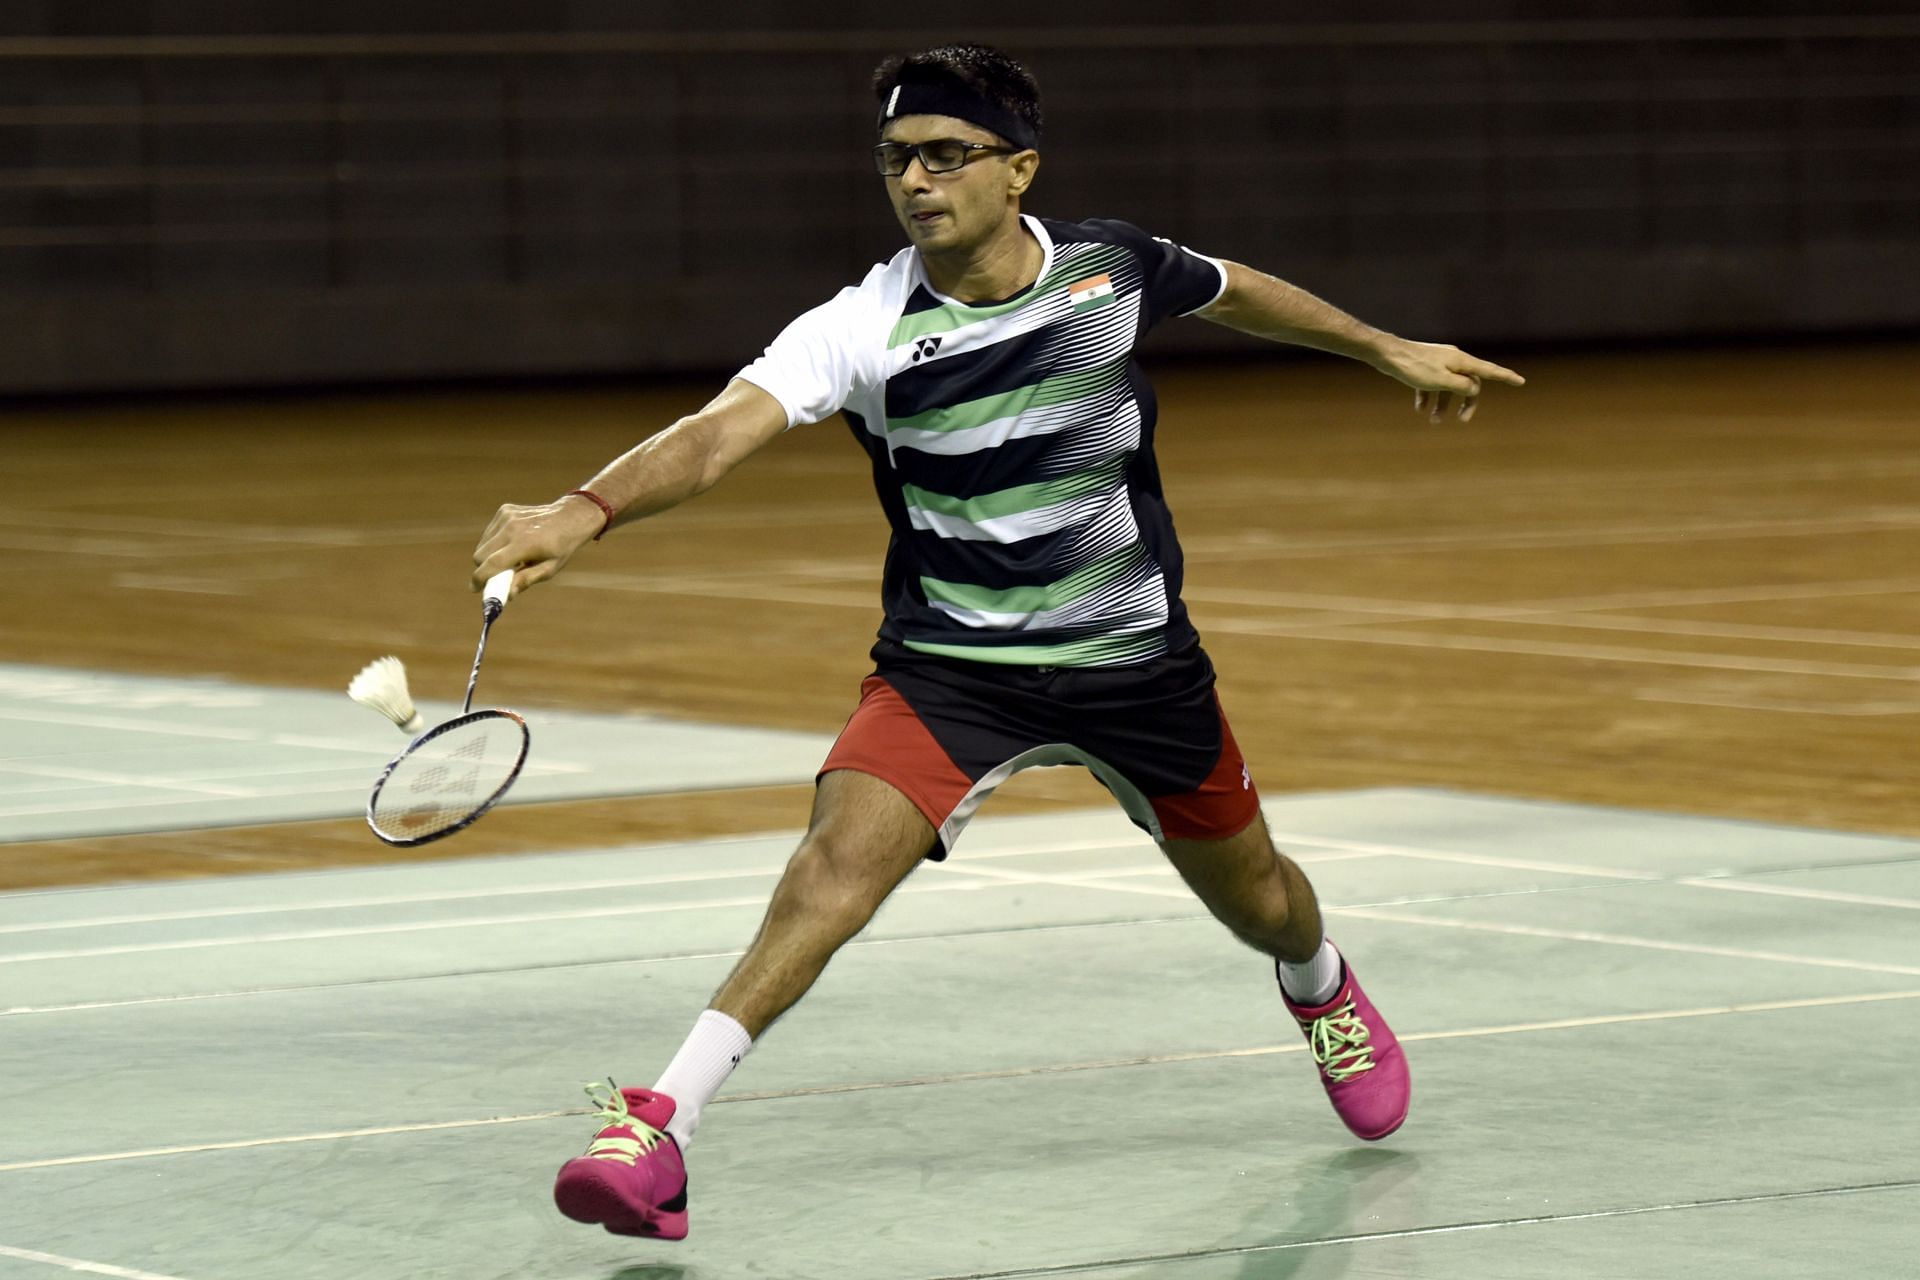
column 448, row 777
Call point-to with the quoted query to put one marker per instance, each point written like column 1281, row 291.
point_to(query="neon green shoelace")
column 1341, row 1044
column 612, row 1113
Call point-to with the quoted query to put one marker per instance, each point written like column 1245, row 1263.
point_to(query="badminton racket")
column 454, row 772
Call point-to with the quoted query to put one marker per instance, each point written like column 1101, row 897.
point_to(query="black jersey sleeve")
column 1177, row 281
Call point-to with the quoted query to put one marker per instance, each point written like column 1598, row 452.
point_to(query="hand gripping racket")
column 456, row 771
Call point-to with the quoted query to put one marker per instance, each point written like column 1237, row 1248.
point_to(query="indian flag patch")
column 1090, row 294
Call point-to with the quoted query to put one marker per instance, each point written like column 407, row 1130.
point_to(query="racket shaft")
column 478, row 654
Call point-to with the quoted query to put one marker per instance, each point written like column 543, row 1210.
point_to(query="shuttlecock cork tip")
column 382, row 685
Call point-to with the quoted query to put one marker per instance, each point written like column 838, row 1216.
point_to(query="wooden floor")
column 1678, row 581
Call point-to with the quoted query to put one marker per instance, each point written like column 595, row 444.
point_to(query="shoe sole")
column 1387, row 1132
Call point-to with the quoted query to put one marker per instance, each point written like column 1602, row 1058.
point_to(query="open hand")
column 1439, row 374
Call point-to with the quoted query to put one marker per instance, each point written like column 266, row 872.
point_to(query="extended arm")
column 1257, row 303
column 662, row 471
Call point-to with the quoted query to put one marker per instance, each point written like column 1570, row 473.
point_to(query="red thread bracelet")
column 598, row 501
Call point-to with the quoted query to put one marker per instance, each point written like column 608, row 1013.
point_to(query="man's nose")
column 915, row 176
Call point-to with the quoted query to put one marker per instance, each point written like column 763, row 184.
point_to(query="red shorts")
column 946, row 733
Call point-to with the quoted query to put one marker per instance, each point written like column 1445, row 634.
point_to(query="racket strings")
column 445, row 781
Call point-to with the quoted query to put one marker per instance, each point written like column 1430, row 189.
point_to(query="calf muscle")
column 864, row 839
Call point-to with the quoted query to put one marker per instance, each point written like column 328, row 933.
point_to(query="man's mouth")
column 925, row 216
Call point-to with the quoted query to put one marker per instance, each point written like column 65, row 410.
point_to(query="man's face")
column 952, row 212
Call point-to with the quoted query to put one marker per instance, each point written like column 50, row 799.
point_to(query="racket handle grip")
column 493, row 598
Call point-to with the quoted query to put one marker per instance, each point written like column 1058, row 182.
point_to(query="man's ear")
column 1024, row 164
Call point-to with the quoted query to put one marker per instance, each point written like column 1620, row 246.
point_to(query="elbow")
column 1223, row 308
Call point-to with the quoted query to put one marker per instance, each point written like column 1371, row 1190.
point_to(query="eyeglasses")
column 942, row 155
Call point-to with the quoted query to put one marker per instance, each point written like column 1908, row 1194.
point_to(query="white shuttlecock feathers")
column 382, row 685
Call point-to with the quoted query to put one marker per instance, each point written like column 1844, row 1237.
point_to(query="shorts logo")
column 925, row 347
column 1246, row 779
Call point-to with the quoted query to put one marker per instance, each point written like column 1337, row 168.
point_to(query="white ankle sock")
column 712, row 1050
column 1311, row 982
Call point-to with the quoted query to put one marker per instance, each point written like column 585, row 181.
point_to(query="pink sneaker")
column 632, row 1179
column 1361, row 1065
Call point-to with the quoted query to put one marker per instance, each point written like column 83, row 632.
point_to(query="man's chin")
column 934, row 235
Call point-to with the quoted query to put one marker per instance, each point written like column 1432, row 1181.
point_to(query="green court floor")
column 1642, row 1047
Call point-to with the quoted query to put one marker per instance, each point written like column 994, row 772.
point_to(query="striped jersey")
column 1012, row 446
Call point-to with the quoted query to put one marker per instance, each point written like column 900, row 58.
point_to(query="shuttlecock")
column 382, row 685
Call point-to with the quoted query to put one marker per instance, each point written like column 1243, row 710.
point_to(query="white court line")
column 1585, row 652
column 672, row 958
column 181, row 729
column 157, row 782
column 1796, row 891
column 1302, row 847
column 1241, row 547
column 1075, row 879
column 81, row 1265
column 180, row 583
column 411, row 926
column 867, row 599
column 806, row 515
column 1284, row 838
column 127, row 724
column 1379, row 614
column 523, row 889
column 1763, row 593
column 321, row 536
column 1758, row 593
column 1622, row 940
column 1890, row 466
column 1720, row 630
column 1876, row 707
column 1005, row 1073
column 469, row 922
column 167, row 801
column 70, row 546
column 771, row 571
column 345, row 787
column 1532, row 931
column 1138, row 1261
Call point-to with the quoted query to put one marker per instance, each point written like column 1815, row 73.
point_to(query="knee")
column 821, row 879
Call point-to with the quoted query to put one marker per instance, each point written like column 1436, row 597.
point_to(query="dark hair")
column 985, row 72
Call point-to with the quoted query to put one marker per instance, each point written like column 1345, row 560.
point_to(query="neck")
column 998, row 267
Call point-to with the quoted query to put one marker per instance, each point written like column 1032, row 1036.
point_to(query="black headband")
column 946, row 97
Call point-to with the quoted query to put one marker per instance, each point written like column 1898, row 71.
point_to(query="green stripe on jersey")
column 1022, row 497
column 1095, row 651
column 1052, row 595
column 956, row 315
column 1060, row 389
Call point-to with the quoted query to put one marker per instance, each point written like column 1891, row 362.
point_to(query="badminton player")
column 1032, row 585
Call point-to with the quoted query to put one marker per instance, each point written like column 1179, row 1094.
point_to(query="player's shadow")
column 650, row 1271
column 1348, row 1189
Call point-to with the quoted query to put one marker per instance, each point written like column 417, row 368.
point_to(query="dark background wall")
column 198, row 194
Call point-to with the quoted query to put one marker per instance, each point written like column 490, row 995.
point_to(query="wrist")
column 606, row 509
column 1382, row 350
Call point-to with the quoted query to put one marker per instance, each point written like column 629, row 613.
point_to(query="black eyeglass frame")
column 970, row 151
